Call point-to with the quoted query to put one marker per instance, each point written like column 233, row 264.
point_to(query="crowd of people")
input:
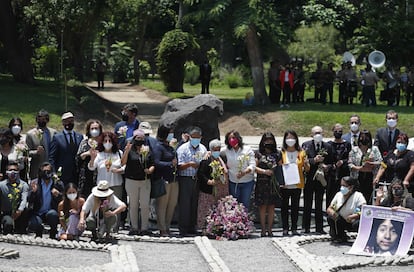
column 287, row 84
column 103, row 181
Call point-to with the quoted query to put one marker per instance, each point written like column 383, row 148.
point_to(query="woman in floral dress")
column 212, row 179
column 267, row 188
column 364, row 161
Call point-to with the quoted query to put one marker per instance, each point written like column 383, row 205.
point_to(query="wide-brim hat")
column 102, row 189
column 146, row 127
column 67, row 115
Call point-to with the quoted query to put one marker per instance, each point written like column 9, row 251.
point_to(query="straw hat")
column 102, row 189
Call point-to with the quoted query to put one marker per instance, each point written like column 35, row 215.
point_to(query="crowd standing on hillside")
column 103, row 180
column 287, row 83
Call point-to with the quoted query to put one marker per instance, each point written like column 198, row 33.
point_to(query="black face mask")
column 46, row 174
column 365, row 142
column 138, row 142
column 270, row 146
column 337, row 135
column 41, row 124
column 124, row 117
column 398, row 192
column 69, row 126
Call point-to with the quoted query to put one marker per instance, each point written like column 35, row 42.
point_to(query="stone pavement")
column 143, row 253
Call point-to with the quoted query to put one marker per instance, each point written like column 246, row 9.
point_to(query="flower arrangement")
column 39, row 134
column 228, row 220
column 217, row 172
column 57, row 175
column 198, row 156
column 145, row 151
column 122, row 131
column 21, row 148
column 322, row 152
column 108, row 164
column 92, row 143
column 368, row 157
column 243, row 160
column 174, row 144
column 14, row 196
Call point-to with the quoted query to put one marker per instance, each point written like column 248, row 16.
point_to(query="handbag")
column 157, row 188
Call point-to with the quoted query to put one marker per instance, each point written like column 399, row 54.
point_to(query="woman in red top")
column 286, row 83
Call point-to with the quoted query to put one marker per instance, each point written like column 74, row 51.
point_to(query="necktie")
column 71, row 142
column 390, row 139
column 355, row 142
column 318, row 147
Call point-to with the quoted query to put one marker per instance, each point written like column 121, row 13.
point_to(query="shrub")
column 46, row 61
column 192, row 73
column 144, row 68
column 119, row 61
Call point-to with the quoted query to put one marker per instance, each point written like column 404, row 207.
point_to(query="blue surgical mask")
column 195, row 142
column 215, row 154
column 170, row 136
column 401, row 147
column 344, row 190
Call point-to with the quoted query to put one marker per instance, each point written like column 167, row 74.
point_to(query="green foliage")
column 315, row 42
column 192, row 72
column 233, row 77
column 171, row 55
column 144, row 68
column 46, row 62
column 119, row 61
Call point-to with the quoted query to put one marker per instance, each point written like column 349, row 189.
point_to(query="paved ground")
column 314, row 253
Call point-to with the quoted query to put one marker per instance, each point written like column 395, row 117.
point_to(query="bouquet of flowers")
column 174, row 144
column 108, row 164
column 228, row 220
column 198, row 156
column 21, row 148
column 368, row 157
column 39, row 134
column 92, row 143
column 56, row 177
column 145, row 151
column 243, row 160
column 217, row 172
column 122, row 131
column 14, row 197
column 320, row 174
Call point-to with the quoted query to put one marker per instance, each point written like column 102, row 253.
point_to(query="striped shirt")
column 187, row 153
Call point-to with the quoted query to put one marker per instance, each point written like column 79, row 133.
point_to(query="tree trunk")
column 256, row 64
column 19, row 51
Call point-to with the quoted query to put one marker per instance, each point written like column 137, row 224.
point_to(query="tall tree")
column 15, row 35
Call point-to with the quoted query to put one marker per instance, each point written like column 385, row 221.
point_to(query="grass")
column 300, row 117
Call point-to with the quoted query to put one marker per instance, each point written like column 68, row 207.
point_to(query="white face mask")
column 391, row 123
column 290, row 142
column 16, row 130
column 354, row 127
column 72, row 196
column 318, row 138
column 94, row 132
column 107, row 146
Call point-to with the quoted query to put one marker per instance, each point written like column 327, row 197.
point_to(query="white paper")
column 291, row 173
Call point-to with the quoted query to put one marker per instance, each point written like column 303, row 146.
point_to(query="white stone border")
column 210, row 254
column 309, row 262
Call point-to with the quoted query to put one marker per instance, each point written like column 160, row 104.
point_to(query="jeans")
column 242, row 192
column 51, row 218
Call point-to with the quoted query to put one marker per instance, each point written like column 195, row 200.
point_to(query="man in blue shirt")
column 44, row 197
column 125, row 128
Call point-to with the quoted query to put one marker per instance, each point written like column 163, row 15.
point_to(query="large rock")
column 202, row 111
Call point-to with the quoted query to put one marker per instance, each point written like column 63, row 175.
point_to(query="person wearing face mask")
column 364, row 161
column 44, row 196
column 345, row 209
column 64, row 148
column 267, row 192
column 397, row 196
column 9, row 152
column 13, row 199
column 320, row 157
column 189, row 156
column 38, row 140
column 87, row 177
column 340, row 168
column 398, row 164
column 292, row 153
column 212, row 188
column 354, row 126
column 139, row 165
column 19, row 140
column 386, row 138
column 69, row 210
column 241, row 163
column 125, row 128
column 166, row 168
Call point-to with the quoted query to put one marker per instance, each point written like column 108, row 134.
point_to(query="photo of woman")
column 384, row 237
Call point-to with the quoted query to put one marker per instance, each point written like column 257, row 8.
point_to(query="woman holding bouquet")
column 364, row 161
column 212, row 178
column 267, row 194
column 241, row 164
column 87, row 177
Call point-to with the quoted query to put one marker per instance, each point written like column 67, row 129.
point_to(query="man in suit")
column 205, row 76
column 63, row 149
column 386, row 137
column 354, row 125
column 125, row 128
column 38, row 140
column 319, row 154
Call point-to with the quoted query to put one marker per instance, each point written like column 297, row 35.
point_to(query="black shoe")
column 295, row 232
column 321, row 232
column 133, row 232
column 285, row 233
column 146, row 232
column 306, row 231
